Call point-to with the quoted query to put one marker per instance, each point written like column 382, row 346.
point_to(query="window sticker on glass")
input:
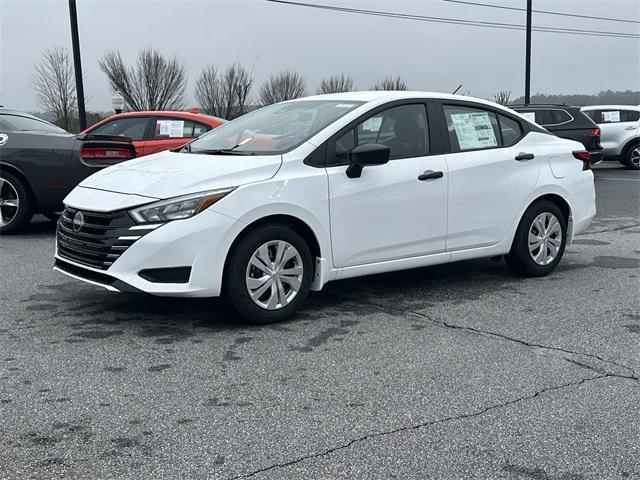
column 531, row 116
column 611, row 116
column 171, row 128
column 372, row 124
column 474, row 130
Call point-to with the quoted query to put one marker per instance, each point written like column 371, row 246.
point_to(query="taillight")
column 595, row 132
column 99, row 156
column 584, row 157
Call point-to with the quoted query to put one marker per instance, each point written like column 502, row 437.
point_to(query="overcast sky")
column 429, row 56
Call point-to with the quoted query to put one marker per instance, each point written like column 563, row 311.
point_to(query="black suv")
column 566, row 122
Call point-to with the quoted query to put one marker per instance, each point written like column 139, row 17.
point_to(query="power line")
column 546, row 12
column 458, row 21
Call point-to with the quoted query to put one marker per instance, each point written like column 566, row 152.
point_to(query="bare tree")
column 224, row 95
column 281, row 87
column 390, row 83
column 155, row 83
column 502, row 97
column 336, row 84
column 55, row 85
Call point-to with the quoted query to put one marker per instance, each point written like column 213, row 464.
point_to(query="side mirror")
column 366, row 154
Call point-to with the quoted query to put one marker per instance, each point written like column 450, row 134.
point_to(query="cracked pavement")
column 456, row 371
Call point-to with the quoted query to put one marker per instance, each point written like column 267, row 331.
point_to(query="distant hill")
column 606, row 97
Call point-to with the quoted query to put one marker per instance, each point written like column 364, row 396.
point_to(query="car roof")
column 540, row 105
column 611, row 107
column 10, row 111
column 166, row 113
column 390, row 95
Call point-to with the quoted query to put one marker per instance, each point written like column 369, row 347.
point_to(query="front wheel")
column 632, row 157
column 15, row 205
column 269, row 274
column 539, row 242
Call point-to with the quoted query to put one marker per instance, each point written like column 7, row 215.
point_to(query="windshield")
column 273, row 130
column 26, row 124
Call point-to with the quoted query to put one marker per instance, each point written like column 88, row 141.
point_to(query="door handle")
column 524, row 156
column 630, row 128
column 430, row 174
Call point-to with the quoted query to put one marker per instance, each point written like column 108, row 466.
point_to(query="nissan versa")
column 289, row 197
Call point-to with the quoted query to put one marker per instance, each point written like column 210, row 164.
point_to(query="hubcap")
column 274, row 275
column 545, row 238
column 635, row 156
column 9, row 202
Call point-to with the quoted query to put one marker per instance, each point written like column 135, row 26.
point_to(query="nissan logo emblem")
column 78, row 221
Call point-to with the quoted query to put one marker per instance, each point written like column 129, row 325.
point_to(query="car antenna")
column 456, row 90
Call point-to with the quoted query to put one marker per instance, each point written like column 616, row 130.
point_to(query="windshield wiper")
column 222, row 151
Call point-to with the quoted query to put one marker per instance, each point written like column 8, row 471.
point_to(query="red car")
column 154, row 132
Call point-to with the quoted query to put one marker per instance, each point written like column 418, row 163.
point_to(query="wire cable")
column 545, row 12
column 458, row 21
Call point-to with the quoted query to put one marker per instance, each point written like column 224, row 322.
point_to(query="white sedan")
column 289, row 197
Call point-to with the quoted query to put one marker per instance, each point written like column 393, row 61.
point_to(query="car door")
column 489, row 178
column 617, row 127
column 171, row 132
column 387, row 213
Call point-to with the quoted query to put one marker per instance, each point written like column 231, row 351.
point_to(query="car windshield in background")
column 272, row 130
column 19, row 123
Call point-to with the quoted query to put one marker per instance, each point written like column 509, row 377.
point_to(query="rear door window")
column 471, row 128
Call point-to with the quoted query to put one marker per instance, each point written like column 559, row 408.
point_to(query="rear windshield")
column 17, row 123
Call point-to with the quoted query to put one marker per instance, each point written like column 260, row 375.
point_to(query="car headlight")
column 178, row 208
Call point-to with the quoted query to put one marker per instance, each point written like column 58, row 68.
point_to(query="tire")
column 538, row 217
column 16, row 207
column 240, row 274
column 632, row 157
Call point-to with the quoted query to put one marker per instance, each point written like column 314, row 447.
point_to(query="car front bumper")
column 200, row 243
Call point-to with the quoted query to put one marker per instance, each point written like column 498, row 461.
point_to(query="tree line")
column 157, row 82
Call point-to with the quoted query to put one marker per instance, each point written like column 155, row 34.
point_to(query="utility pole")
column 527, row 73
column 75, row 40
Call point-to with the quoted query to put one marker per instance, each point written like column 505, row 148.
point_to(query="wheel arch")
column 19, row 174
column 299, row 226
column 627, row 146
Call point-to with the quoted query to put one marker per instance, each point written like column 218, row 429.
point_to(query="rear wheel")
column 15, row 205
column 269, row 274
column 539, row 242
column 632, row 157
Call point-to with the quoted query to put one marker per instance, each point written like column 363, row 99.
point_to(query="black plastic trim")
column 97, row 277
column 166, row 275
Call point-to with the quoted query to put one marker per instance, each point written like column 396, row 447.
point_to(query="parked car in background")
column 156, row 131
column 568, row 122
column 300, row 193
column 41, row 163
column 620, row 125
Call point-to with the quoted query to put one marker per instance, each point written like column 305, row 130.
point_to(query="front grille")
column 101, row 239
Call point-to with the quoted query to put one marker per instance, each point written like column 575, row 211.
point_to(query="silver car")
column 620, row 127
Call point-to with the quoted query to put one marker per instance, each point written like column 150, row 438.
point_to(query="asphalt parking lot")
column 459, row 371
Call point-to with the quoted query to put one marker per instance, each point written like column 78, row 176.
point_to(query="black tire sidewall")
column 234, row 282
column 25, row 209
column 519, row 258
column 627, row 157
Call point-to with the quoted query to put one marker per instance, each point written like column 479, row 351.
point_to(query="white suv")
column 289, row 197
column 620, row 127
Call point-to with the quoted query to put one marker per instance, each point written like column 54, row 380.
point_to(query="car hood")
column 170, row 174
